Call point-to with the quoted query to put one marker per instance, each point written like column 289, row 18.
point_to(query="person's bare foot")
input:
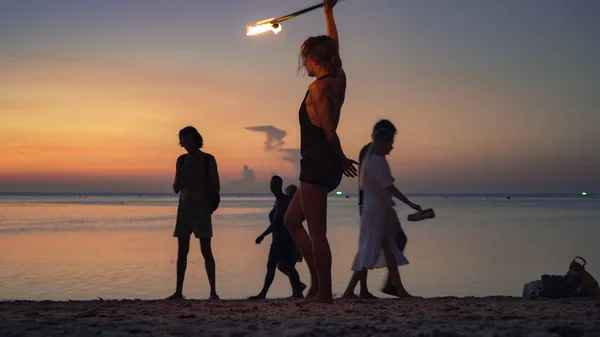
column 349, row 296
column 175, row 296
column 214, row 297
column 406, row 295
column 257, row 297
column 312, row 292
column 390, row 291
column 318, row 299
column 302, row 287
column 367, row 296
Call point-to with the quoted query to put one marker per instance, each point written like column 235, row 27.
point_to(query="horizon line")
column 269, row 193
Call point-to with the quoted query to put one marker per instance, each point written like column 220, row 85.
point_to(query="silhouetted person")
column 283, row 252
column 323, row 160
column 196, row 175
column 401, row 239
column 381, row 240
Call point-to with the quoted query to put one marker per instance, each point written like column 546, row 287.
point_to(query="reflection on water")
column 107, row 249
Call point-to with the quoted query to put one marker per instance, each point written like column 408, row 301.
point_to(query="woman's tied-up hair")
column 324, row 50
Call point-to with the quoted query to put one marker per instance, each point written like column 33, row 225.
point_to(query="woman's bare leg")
column 388, row 286
column 364, row 290
column 401, row 240
column 314, row 208
column 394, row 274
column 293, row 219
column 356, row 277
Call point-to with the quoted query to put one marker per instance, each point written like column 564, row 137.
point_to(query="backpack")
column 214, row 198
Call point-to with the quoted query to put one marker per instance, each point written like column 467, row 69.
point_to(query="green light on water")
column 338, row 192
column 584, row 193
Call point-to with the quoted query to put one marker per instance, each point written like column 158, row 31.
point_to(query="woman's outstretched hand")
column 329, row 4
column 348, row 167
column 416, row 207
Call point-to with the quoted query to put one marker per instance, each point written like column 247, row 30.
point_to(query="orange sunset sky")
column 488, row 97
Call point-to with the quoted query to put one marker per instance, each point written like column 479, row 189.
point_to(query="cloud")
column 275, row 141
column 247, row 183
column 275, row 136
column 248, row 176
column 291, row 155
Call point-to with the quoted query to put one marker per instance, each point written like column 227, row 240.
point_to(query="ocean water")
column 60, row 247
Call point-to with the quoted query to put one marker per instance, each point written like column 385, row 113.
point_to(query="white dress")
column 379, row 220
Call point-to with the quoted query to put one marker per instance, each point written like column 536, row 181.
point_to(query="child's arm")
column 396, row 193
column 384, row 177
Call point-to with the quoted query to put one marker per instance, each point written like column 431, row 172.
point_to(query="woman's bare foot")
column 257, row 297
column 312, row 292
column 367, row 296
column 390, row 291
column 349, row 296
column 318, row 299
column 402, row 293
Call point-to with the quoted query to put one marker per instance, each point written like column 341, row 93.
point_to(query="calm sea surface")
column 60, row 247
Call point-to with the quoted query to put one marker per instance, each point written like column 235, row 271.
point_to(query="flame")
column 263, row 27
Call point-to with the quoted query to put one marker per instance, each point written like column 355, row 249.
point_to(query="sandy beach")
column 490, row 316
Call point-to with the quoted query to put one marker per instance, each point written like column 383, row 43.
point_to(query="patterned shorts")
column 193, row 217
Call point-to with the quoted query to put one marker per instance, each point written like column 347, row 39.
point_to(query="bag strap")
column 180, row 161
column 206, row 165
column 582, row 259
column 179, row 165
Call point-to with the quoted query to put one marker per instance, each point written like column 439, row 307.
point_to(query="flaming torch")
column 274, row 24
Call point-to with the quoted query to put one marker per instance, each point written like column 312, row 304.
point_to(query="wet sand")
column 490, row 316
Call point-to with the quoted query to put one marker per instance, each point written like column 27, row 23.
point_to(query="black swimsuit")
column 319, row 165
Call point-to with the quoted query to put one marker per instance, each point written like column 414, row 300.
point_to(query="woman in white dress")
column 379, row 223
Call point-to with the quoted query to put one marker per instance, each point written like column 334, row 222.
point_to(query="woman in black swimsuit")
column 323, row 161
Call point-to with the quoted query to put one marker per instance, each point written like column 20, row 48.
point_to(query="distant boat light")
column 338, row 192
column 584, row 193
